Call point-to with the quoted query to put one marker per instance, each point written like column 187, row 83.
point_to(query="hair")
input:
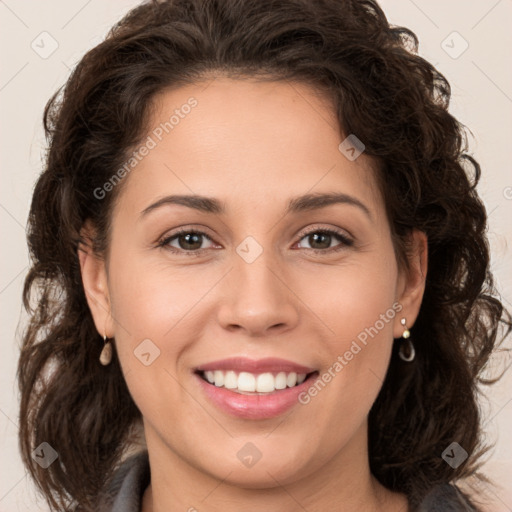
column 393, row 100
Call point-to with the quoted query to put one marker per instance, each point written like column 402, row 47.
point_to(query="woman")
column 263, row 268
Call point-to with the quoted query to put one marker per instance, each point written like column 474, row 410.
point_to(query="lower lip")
column 255, row 406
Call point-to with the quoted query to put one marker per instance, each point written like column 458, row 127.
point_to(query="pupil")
column 187, row 240
column 316, row 236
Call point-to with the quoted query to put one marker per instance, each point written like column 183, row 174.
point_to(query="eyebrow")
column 304, row 203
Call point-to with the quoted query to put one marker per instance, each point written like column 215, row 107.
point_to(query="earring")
column 406, row 350
column 106, row 353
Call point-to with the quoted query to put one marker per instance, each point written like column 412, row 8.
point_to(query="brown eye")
column 185, row 241
column 191, row 241
column 320, row 240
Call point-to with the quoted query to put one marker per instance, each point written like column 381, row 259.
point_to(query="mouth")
column 248, row 383
column 250, row 389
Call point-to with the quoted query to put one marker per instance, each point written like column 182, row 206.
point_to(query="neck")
column 344, row 484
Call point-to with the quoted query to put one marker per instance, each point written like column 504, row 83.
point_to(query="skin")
column 253, row 145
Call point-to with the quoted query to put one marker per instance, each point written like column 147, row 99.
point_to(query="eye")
column 188, row 241
column 320, row 240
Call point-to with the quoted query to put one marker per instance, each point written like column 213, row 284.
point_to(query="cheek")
column 151, row 308
column 149, row 298
column 361, row 309
column 148, row 306
column 358, row 295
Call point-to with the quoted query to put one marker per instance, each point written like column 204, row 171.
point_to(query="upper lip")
column 244, row 364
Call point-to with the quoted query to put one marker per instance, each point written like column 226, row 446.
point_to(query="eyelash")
column 345, row 241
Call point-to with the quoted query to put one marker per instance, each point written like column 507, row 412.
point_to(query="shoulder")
column 124, row 493
column 446, row 498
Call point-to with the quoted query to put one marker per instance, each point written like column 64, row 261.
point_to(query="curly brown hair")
column 396, row 103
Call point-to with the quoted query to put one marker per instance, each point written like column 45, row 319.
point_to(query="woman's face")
column 261, row 293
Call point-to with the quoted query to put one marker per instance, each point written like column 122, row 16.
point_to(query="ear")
column 411, row 282
column 95, row 281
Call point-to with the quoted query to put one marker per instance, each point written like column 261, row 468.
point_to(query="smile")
column 252, row 389
column 244, row 382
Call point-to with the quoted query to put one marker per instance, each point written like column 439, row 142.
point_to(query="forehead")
column 246, row 142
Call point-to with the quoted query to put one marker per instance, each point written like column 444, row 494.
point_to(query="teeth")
column 301, row 377
column 219, row 378
column 265, row 383
column 291, row 379
column 246, row 382
column 230, row 380
column 249, row 382
column 280, row 380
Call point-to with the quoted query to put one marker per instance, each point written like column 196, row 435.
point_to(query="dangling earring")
column 106, row 353
column 406, row 350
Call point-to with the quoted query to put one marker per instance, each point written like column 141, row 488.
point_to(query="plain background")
column 481, row 79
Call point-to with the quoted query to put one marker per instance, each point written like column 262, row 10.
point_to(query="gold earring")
column 106, row 353
column 406, row 350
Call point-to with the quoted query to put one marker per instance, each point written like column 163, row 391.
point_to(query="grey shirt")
column 132, row 478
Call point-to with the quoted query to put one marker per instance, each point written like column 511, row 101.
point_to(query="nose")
column 258, row 298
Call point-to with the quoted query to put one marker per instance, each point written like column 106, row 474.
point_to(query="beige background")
column 481, row 78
